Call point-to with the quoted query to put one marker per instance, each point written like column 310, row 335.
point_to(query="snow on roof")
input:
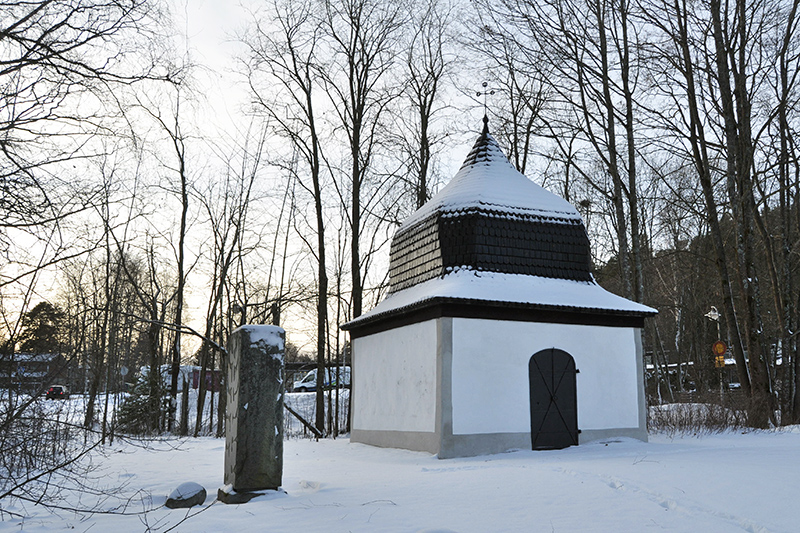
column 487, row 180
column 489, row 183
column 34, row 357
column 513, row 288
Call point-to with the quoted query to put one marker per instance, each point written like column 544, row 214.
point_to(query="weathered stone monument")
column 254, row 415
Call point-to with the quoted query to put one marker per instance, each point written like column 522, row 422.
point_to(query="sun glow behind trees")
column 621, row 151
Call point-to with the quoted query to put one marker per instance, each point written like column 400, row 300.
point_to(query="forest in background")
column 136, row 232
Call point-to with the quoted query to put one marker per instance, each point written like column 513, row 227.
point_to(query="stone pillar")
column 254, row 415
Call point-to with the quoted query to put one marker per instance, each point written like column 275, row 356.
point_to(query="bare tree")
column 362, row 35
column 171, row 124
column 227, row 209
column 288, row 57
column 719, row 61
column 590, row 69
column 58, row 74
column 427, row 63
column 514, row 90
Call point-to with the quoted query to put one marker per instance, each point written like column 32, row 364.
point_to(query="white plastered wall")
column 394, row 379
column 490, row 391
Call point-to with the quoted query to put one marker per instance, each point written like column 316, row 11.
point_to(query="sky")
column 210, row 29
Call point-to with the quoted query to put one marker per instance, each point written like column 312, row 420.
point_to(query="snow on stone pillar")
column 254, row 416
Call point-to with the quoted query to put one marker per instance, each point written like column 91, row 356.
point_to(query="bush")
column 703, row 416
column 43, row 444
column 143, row 410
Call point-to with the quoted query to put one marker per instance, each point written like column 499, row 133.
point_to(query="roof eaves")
column 522, row 311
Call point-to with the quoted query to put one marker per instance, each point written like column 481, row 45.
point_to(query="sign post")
column 719, row 349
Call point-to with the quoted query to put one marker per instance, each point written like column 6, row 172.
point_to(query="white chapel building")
column 495, row 335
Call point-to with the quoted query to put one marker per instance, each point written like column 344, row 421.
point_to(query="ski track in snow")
column 670, row 503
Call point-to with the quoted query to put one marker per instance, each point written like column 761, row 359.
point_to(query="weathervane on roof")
column 486, row 92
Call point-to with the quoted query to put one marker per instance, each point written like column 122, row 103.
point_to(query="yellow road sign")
column 719, row 348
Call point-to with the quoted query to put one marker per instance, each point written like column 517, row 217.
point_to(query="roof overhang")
column 438, row 307
column 499, row 296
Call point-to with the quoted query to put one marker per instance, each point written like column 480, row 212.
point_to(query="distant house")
column 495, row 335
column 31, row 372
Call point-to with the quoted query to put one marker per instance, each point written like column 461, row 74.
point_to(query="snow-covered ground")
column 303, row 403
column 717, row 483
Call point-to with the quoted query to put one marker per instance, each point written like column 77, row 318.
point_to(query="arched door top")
column 553, row 398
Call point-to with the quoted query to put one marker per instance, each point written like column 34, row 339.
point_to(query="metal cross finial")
column 486, row 92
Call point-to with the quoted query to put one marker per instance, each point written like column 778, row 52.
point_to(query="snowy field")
column 718, row 483
column 303, row 403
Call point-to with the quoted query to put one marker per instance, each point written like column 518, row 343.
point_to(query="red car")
column 57, row 392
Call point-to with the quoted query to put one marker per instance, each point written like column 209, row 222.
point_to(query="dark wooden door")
column 554, row 401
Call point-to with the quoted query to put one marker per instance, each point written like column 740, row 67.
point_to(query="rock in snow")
column 186, row 495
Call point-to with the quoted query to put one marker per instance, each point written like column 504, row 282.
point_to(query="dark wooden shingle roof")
column 485, row 236
column 494, row 245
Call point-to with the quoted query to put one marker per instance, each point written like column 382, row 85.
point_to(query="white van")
column 309, row 381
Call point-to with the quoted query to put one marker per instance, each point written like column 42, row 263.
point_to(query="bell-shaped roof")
column 490, row 218
column 488, row 181
column 493, row 239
